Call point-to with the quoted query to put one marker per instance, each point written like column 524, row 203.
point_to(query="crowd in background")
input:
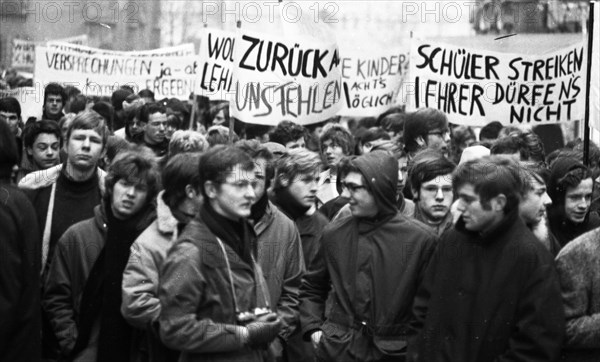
column 136, row 229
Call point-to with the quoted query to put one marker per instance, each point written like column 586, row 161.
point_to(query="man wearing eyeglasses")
column 367, row 270
column 431, row 181
column 426, row 128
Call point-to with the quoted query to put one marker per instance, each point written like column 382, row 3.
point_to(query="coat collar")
column 44, row 178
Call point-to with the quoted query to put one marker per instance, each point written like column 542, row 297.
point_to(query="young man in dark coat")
column 367, row 271
column 19, row 263
column 82, row 295
column 490, row 292
column 220, row 309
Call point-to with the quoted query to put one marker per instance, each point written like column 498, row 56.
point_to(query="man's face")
column 127, row 198
column 45, row 150
column 333, row 153
column 578, row 200
column 299, row 143
column 435, row 197
column 53, row 105
column 362, row 202
column 402, row 174
column 260, row 172
column 136, row 127
column 439, row 139
column 476, row 217
column 12, row 119
column 533, row 206
column 156, row 128
column 233, row 198
column 84, row 148
column 303, row 188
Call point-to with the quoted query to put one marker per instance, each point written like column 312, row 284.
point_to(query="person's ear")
column 420, row 141
column 284, row 181
column 29, row 151
column 415, row 193
column 499, row 202
column 211, row 189
column 190, row 191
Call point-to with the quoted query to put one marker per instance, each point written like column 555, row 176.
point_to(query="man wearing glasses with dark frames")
column 367, row 271
column 426, row 128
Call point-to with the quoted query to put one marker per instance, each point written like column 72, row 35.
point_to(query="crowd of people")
column 133, row 232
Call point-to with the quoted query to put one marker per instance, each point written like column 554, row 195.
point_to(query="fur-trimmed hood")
column 166, row 222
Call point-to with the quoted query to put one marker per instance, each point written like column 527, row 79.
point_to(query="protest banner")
column 175, row 51
column 100, row 73
column 29, row 98
column 215, row 78
column 474, row 87
column 296, row 79
column 23, row 51
column 371, row 82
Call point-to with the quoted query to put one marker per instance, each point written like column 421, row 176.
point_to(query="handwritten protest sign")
column 371, row 82
column 23, row 51
column 296, row 79
column 474, row 87
column 100, row 72
column 215, row 78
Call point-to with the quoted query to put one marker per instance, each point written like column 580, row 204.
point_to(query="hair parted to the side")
column 426, row 166
column 138, row 166
column 295, row 162
column 219, row 161
column 339, row 136
column 491, row 176
column 181, row 170
column 532, row 172
column 90, row 120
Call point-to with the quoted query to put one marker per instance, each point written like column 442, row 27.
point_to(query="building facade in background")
column 108, row 24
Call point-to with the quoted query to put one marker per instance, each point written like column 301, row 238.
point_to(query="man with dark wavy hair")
column 82, row 295
column 490, row 291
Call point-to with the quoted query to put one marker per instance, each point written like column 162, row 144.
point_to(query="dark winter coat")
column 490, row 297
column 76, row 253
column 359, row 290
column 20, row 319
column 198, row 315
